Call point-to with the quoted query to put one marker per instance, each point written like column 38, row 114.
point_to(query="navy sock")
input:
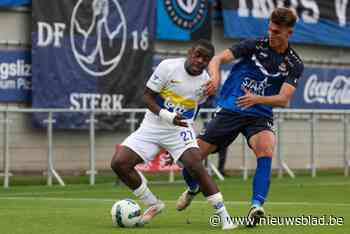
column 191, row 183
column 261, row 182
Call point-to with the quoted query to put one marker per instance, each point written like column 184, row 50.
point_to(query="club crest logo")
column 98, row 35
column 187, row 14
column 282, row 67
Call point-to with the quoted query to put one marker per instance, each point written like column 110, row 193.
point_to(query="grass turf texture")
column 84, row 209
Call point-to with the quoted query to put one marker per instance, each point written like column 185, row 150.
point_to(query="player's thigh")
column 263, row 143
column 124, row 156
column 206, row 148
column 144, row 143
column 177, row 141
column 191, row 159
column 221, row 131
column 260, row 135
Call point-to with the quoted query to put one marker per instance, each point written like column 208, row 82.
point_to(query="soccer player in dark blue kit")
column 265, row 76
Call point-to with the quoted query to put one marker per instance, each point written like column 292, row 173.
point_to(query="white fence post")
column 312, row 145
column 346, row 145
column 92, row 149
column 279, row 146
column 50, row 165
column 245, row 158
column 7, row 174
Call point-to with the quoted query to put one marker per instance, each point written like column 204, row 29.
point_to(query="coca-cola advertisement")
column 323, row 88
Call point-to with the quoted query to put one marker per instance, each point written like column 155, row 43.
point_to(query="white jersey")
column 178, row 91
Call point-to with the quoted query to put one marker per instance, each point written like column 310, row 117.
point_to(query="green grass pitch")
column 84, row 209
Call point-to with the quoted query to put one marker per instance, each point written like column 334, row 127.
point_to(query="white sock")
column 217, row 201
column 145, row 194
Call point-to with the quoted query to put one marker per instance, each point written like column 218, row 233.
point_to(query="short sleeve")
column 295, row 74
column 159, row 77
column 243, row 49
column 203, row 98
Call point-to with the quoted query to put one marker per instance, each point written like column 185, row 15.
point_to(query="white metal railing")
column 279, row 118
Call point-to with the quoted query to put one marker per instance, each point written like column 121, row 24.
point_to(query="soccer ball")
column 126, row 213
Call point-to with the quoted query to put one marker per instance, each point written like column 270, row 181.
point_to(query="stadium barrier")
column 312, row 117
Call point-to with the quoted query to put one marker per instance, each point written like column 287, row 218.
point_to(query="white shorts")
column 146, row 141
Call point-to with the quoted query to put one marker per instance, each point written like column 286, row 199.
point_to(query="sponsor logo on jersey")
column 175, row 81
column 254, row 86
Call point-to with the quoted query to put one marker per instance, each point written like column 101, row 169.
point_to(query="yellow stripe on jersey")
column 176, row 99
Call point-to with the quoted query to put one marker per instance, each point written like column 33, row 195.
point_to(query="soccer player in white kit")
column 172, row 95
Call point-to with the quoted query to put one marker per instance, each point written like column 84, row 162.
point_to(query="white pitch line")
column 42, row 193
column 173, row 201
column 315, row 184
column 273, row 185
column 58, row 199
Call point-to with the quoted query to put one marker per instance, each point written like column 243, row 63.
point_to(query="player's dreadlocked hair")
column 283, row 16
column 205, row 44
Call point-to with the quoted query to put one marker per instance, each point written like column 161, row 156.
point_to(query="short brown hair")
column 283, row 16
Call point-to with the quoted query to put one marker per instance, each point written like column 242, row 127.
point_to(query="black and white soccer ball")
column 126, row 213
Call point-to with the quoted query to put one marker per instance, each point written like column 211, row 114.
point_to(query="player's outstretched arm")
column 214, row 70
column 282, row 98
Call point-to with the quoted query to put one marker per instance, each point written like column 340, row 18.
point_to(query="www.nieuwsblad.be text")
column 303, row 220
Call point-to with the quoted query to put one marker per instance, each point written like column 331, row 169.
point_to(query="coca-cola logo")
column 336, row 91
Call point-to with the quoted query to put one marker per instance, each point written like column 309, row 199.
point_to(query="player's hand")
column 211, row 87
column 247, row 100
column 180, row 121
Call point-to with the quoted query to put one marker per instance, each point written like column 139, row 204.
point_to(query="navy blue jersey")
column 262, row 71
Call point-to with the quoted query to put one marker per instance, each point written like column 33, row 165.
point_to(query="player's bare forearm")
column 214, row 70
column 279, row 100
column 275, row 101
column 249, row 100
column 149, row 98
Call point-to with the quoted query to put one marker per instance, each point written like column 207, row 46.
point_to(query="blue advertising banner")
column 91, row 54
column 9, row 3
column 319, row 21
column 183, row 20
column 15, row 75
column 323, row 88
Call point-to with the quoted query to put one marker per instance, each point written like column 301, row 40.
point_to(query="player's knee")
column 195, row 168
column 192, row 160
column 119, row 163
column 205, row 148
column 263, row 150
column 114, row 163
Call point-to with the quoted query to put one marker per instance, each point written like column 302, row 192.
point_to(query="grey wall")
column 15, row 27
